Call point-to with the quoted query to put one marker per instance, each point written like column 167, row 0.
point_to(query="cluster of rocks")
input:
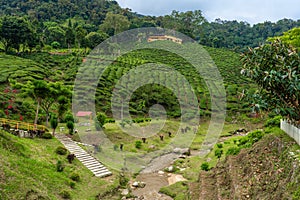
column 138, row 184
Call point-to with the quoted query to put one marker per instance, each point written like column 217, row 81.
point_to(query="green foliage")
column 101, row 117
column 15, row 31
column 53, row 123
column 291, row 37
column 138, row 144
column 123, row 180
column 274, row 67
column 61, row 150
column 116, row 147
column 55, row 44
column 178, row 191
column 241, row 35
column 218, row 153
column 93, row 39
column 69, row 117
column 75, row 176
column 114, row 23
column 70, row 126
column 60, row 166
column 205, row 166
column 220, row 145
column 65, row 194
column 273, row 122
column 72, row 184
column 296, row 194
column 9, row 142
column 233, row 151
column 47, row 136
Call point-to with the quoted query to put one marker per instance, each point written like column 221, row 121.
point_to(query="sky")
column 252, row 11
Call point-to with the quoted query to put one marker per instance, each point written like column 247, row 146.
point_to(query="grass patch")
column 178, row 191
column 28, row 169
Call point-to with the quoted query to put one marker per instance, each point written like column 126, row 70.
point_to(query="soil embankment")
column 268, row 170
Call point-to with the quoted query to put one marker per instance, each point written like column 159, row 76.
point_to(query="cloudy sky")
column 252, row 11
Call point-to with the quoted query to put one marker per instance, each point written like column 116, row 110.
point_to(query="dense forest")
column 77, row 23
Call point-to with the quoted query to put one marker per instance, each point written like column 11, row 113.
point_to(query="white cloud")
column 253, row 11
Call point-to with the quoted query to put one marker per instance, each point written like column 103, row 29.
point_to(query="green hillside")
column 29, row 171
column 64, row 68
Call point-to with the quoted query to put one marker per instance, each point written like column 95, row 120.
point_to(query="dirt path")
column 154, row 182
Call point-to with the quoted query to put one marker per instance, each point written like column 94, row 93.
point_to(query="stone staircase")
column 85, row 158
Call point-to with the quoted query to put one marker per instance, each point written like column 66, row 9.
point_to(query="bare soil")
column 261, row 172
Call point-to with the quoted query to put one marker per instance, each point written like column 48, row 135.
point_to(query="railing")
column 291, row 130
column 21, row 125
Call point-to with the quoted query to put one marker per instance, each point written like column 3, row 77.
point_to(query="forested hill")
column 80, row 23
column 58, row 10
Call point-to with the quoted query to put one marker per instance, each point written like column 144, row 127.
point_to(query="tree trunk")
column 47, row 118
column 53, row 133
column 37, row 112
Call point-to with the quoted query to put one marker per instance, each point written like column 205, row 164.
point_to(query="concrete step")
column 94, row 165
column 103, row 174
column 99, row 171
column 85, row 158
column 93, row 169
column 89, row 162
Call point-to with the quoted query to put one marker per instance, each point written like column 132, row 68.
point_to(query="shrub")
column 59, row 166
column 220, row 146
column 205, row 166
column 138, row 144
column 65, row 194
column 116, row 147
column 233, row 151
column 55, row 45
column 72, row 184
column 101, row 118
column 69, row 117
column 75, row 176
column 70, row 126
column 61, row 150
column 275, row 121
column 251, row 138
column 218, row 153
column 123, row 180
column 110, row 120
column 47, row 136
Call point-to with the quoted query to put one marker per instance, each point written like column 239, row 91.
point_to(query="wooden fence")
column 291, row 130
column 21, row 125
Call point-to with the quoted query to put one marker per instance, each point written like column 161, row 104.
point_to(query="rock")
column 135, row 184
column 125, row 192
column 161, row 172
column 170, row 169
column 152, row 147
column 182, row 169
column 138, row 184
column 142, row 184
column 184, row 151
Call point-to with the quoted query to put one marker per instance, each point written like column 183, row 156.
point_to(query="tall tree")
column 275, row 68
column 116, row 22
column 95, row 38
column 14, row 32
column 291, row 37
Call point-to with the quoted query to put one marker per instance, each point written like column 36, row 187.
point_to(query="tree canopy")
column 275, row 68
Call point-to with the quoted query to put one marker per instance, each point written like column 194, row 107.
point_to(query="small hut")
column 84, row 115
